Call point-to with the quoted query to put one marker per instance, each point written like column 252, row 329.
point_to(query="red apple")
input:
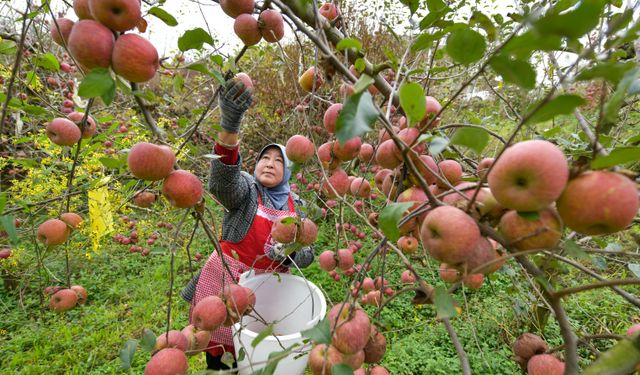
column 545, row 364
column 144, row 198
column 89, row 129
column 366, row 153
column 91, row 44
column 299, row 149
column 72, row 219
column 246, row 28
column 63, row 132
column 376, row 346
column 209, row 313
column 271, row 25
column 234, row 8
column 451, row 171
column 118, row 15
column 310, row 80
column 182, row 189
column 81, row 292
column 63, row 300
column 284, row 230
column 171, row 339
column 529, row 175
column 328, row 11
column 331, row 116
column 327, row 260
column 60, row 34
column 169, row 361
column 307, row 232
column 237, row 300
column 599, row 202
column 526, row 233
column 134, row 58
column 350, row 327
column 148, row 161
column 81, row 8
column 449, row 234
column 53, row 232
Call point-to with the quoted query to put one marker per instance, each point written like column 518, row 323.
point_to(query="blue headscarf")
column 278, row 194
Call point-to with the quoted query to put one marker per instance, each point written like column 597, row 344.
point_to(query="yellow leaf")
column 99, row 214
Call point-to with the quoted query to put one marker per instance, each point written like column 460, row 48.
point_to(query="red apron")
column 251, row 252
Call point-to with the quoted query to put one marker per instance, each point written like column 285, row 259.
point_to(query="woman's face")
column 270, row 168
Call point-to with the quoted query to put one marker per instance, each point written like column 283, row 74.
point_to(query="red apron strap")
column 292, row 206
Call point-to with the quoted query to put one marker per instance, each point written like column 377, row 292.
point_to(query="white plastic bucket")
column 294, row 305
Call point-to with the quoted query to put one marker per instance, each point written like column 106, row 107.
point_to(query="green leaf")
column 349, row 43
column 164, row 16
column 635, row 268
column 341, row 369
column 425, row 40
column 412, row 4
column 560, row 105
column 47, row 61
column 575, row 251
column 436, row 5
column 513, row 70
column 148, row 340
column 437, row 145
column 194, row 39
column 112, row 163
column 3, row 201
column 9, row 225
column 356, row 117
column 127, row 352
column 362, row 83
column 35, row 110
column 572, row 24
column 320, row 333
column 147, row 95
column 620, row 155
column 8, row 47
column 32, row 80
column 178, row 82
column 267, row 331
column 480, row 19
column 622, row 358
column 227, row 359
column 473, row 138
column 466, row 46
column 445, row 306
column 413, row 101
column 389, row 218
column 98, row 83
column 529, row 215
column 627, row 86
column 612, row 71
column 433, row 16
column 522, row 45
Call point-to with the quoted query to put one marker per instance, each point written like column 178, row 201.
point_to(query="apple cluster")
column 148, row 161
column 55, row 232
column 288, row 230
column 269, row 25
column 66, row 131
column 354, row 341
column 169, row 355
column 529, row 352
column 91, row 39
column 63, row 299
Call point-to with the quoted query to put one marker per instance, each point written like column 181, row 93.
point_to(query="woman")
column 252, row 204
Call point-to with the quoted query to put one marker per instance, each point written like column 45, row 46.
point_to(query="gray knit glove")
column 233, row 105
column 302, row 257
